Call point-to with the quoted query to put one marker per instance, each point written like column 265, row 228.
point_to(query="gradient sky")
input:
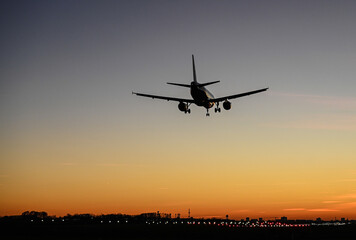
column 73, row 139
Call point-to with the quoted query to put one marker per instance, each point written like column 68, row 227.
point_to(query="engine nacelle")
column 183, row 107
column 227, row 105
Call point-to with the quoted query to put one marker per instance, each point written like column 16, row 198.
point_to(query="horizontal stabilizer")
column 179, row 84
column 206, row 84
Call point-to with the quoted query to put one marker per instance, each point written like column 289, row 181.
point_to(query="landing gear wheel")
column 217, row 109
column 207, row 112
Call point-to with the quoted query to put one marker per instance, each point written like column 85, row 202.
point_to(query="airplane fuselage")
column 201, row 95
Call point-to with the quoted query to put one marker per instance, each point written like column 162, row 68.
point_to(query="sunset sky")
column 73, row 139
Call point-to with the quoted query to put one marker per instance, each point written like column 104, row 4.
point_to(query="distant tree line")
column 34, row 214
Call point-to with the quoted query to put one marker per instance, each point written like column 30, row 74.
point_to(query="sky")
column 73, row 138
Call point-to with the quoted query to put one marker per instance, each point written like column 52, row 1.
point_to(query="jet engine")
column 183, row 107
column 227, row 105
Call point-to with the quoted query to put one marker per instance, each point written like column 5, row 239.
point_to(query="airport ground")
column 31, row 231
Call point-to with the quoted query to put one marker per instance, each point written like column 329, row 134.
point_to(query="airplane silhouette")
column 201, row 96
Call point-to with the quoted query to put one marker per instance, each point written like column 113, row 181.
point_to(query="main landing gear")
column 217, row 109
column 207, row 112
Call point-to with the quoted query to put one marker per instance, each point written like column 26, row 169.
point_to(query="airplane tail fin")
column 194, row 73
column 194, row 79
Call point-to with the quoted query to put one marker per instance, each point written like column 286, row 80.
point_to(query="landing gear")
column 207, row 112
column 217, row 109
column 187, row 111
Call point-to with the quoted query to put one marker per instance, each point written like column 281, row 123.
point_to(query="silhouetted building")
column 156, row 215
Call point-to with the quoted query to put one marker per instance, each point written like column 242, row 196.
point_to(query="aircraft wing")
column 237, row 95
column 164, row 98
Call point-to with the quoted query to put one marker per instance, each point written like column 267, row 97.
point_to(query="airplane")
column 201, row 96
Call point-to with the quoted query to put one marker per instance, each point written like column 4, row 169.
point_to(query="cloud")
column 320, row 122
column 312, row 210
column 322, row 210
column 343, row 118
column 330, row 202
column 344, row 103
column 294, row 209
column 347, row 205
column 347, row 196
column 342, row 202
